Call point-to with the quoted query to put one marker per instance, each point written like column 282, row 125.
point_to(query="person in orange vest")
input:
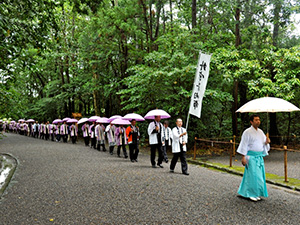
column 133, row 135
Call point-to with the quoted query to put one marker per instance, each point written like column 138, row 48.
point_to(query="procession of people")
column 120, row 132
column 253, row 147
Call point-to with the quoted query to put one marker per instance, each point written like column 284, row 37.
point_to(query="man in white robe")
column 253, row 147
column 179, row 142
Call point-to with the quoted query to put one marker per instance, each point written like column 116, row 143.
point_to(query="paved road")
column 73, row 184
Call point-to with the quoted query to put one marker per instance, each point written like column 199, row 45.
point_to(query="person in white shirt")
column 253, row 147
column 179, row 142
column 166, row 142
column 155, row 141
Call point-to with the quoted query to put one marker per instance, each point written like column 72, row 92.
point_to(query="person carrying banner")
column 133, row 134
column 179, row 142
column 155, row 141
column 253, row 147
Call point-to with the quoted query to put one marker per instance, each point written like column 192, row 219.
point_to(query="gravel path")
column 58, row 183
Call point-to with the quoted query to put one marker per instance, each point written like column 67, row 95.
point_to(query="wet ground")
column 57, row 183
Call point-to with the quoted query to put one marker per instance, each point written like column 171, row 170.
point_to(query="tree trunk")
column 194, row 14
column 234, row 107
column 96, row 96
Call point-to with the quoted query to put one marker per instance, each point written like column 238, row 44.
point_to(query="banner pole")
column 187, row 121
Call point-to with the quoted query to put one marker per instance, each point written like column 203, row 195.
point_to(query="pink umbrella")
column 133, row 116
column 30, row 121
column 157, row 112
column 21, row 120
column 66, row 119
column 119, row 121
column 72, row 121
column 94, row 118
column 102, row 120
column 57, row 121
column 114, row 117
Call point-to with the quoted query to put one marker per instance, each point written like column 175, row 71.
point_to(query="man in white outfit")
column 179, row 141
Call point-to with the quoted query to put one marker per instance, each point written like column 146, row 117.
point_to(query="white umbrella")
column 114, row 117
column 157, row 112
column 133, row 116
column 83, row 120
column 268, row 104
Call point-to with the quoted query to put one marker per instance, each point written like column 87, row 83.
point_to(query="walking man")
column 133, row 135
column 155, row 140
column 166, row 143
column 253, row 147
column 179, row 142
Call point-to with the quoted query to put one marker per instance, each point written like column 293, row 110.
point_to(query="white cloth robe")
column 165, row 135
column 176, row 139
column 153, row 136
column 253, row 140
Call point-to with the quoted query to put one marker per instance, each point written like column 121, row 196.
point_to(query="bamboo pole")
column 234, row 145
column 231, row 150
column 195, row 148
column 285, row 164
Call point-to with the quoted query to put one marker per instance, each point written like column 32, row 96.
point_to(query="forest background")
column 105, row 57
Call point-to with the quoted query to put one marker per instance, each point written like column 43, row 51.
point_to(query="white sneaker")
column 258, row 198
column 253, row 199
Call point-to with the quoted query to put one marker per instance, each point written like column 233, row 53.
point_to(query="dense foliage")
column 113, row 57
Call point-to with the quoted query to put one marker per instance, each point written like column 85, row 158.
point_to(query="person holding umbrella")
column 253, row 147
column 100, row 136
column 73, row 132
column 92, row 135
column 110, row 132
column 85, row 133
column 121, row 140
column 133, row 134
column 155, row 140
column 64, row 131
column 58, row 132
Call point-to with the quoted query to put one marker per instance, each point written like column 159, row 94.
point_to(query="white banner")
column 200, row 82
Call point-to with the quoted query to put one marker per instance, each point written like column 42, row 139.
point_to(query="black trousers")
column 153, row 151
column 36, row 134
column 58, row 137
column 93, row 143
column 164, row 150
column 133, row 151
column 52, row 137
column 46, row 136
column 74, row 139
column 87, row 140
column 182, row 156
column 65, row 138
column 124, row 150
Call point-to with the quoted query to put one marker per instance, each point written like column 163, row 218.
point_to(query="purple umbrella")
column 66, row 119
column 21, row 120
column 119, row 121
column 102, row 120
column 57, row 121
column 94, row 118
column 133, row 116
column 13, row 121
column 157, row 112
column 114, row 117
column 72, row 121
column 30, row 121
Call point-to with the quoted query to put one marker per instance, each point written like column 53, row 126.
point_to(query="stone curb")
column 210, row 165
column 11, row 173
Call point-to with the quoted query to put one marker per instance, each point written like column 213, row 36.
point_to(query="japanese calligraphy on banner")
column 200, row 82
